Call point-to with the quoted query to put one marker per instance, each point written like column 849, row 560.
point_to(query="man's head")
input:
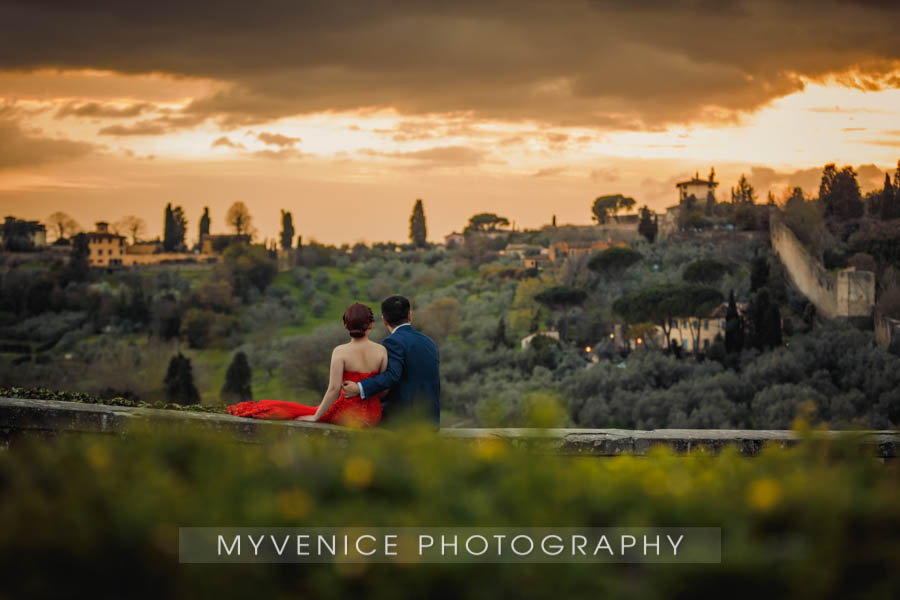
column 395, row 311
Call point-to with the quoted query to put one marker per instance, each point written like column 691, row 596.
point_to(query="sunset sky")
column 345, row 112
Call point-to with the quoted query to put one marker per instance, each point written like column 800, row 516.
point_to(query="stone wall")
column 849, row 294
column 20, row 418
column 887, row 333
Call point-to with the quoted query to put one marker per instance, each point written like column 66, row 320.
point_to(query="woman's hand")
column 310, row 418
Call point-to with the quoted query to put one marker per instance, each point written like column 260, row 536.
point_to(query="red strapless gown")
column 350, row 412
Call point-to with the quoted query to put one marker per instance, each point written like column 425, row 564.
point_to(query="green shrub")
column 816, row 521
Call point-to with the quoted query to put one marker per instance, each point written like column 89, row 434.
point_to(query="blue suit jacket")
column 412, row 375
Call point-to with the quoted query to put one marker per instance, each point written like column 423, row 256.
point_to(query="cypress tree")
column 500, row 340
column 771, row 335
column 759, row 273
column 734, row 327
column 204, row 223
column 647, row 226
column 287, row 230
column 179, row 228
column 758, row 314
column 237, row 380
column 169, row 242
column 417, row 230
column 179, row 381
column 79, row 264
column 890, row 200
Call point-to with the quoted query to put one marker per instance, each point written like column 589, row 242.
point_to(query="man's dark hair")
column 395, row 310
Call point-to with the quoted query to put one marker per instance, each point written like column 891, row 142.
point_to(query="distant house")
column 30, row 234
column 105, row 248
column 536, row 261
column 563, row 250
column 526, row 341
column 705, row 329
column 454, row 239
column 216, row 244
column 521, row 250
column 696, row 187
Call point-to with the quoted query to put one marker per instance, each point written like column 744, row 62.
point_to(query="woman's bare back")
column 363, row 357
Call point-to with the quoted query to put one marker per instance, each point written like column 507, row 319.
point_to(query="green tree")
column 248, row 266
column 705, row 270
column 486, row 222
column 606, row 206
column 562, row 297
column 839, row 193
column 287, row 230
column 525, row 314
column 499, row 339
column 179, row 381
column 442, row 318
column 418, row 233
column 744, row 193
column 237, row 380
column 79, row 267
column 647, row 225
column 613, row 261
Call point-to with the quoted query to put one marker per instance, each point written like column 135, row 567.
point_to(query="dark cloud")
column 282, row 154
column 276, row 139
column 606, row 63
column 99, row 110
column 225, row 142
column 167, row 123
column 140, row 128
column 21, row 148
column 549, row 172
column 438, row 156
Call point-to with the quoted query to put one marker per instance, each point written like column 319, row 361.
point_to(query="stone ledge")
column 47, row 417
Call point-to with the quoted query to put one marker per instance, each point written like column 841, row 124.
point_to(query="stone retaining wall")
column 848, row 294
column 20, row 417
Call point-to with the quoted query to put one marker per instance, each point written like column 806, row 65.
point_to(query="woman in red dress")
column 354, row 361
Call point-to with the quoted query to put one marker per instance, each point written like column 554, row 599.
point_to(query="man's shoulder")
column 421, row 337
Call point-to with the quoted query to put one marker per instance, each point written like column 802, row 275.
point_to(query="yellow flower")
column 358, row 472
column 293, row 503
column 98, row 456
column 489, row 449
column 764, row 494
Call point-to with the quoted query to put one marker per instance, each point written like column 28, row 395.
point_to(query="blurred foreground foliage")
column 97, row 516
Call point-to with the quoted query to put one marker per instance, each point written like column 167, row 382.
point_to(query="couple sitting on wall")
column 370, row 383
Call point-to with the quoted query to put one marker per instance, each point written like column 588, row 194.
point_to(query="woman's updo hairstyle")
column 357, row 319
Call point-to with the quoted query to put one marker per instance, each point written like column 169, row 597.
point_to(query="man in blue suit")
column 412, row 374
